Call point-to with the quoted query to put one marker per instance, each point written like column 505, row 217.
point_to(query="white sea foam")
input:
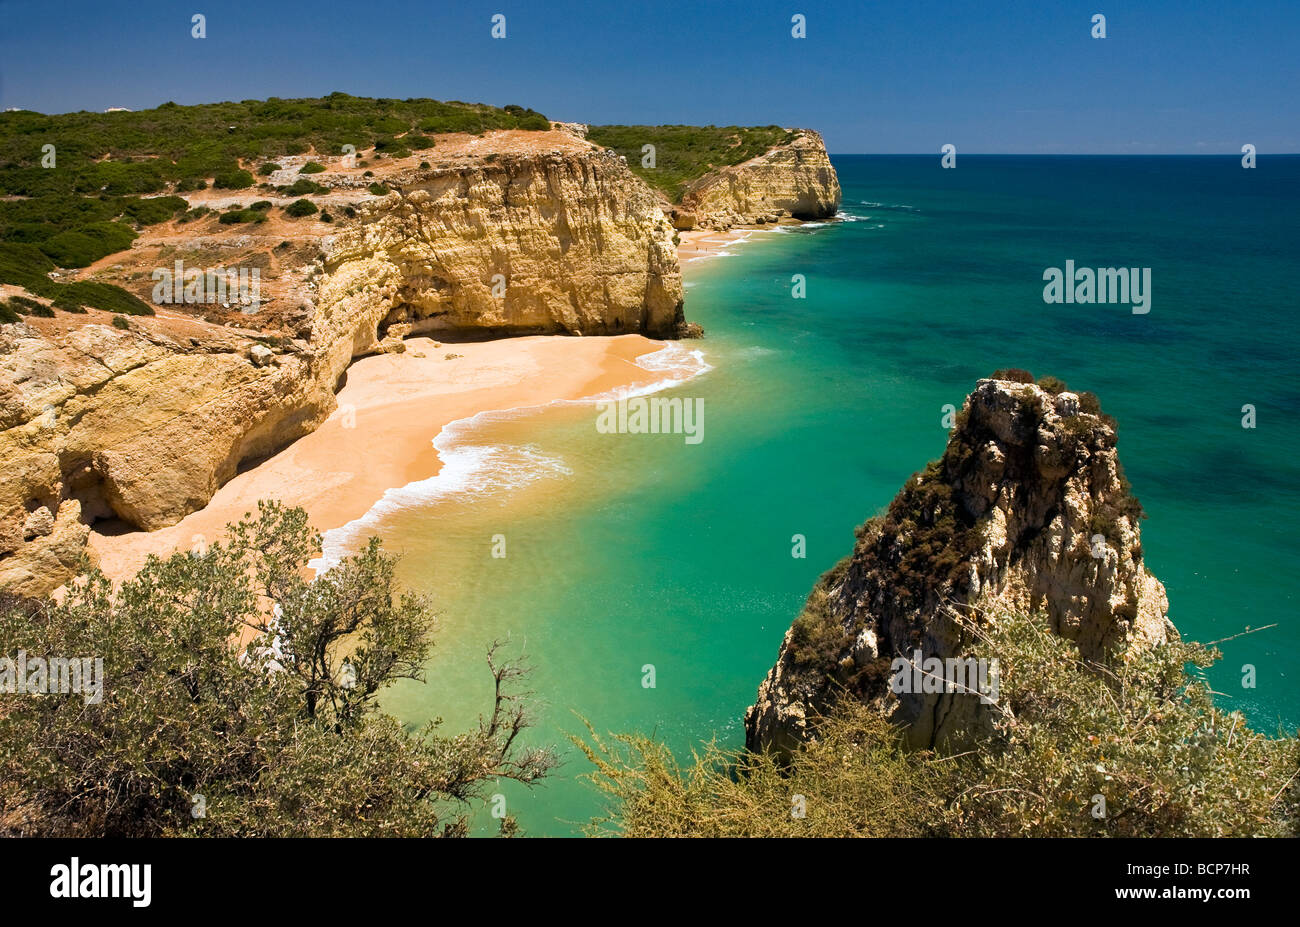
column 478, row 469
column 750, row 353
column 902, row 207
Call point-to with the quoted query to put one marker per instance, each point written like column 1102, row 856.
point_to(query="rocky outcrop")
column 535, row 233
column 141, row 426
column 791, row 181
column 1028, row 510
column 564, row 242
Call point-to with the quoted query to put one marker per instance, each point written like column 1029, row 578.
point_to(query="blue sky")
column 1172, row 76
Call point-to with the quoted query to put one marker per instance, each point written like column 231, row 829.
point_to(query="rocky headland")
column 791, row 181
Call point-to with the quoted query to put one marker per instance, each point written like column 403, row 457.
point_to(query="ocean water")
column 625, row 552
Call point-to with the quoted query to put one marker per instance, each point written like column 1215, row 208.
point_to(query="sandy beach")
column 381, row 435
column 392, row 407
column 702, row 243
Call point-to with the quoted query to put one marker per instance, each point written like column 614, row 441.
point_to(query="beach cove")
column 649, row 582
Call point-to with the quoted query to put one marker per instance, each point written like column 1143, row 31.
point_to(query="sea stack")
column 1028, row 510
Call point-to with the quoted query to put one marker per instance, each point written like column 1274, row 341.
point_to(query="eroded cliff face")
column 522, row 233
column 791, row 181
column 1027, row 510
column 564, row 242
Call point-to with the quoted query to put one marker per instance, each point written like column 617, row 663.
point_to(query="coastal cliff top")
column 260, row 184
column 683, row 154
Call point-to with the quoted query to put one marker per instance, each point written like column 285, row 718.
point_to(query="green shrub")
column 424, row 165
column 103, row 296
column 233, row 180
column 25, row 265
column 44, row 312
column 816, row 637
column 311, row 167
column 188, row 184
column 262, row 204
column 1142, row 731
column 1080, row 426
column 268, row 168
column 326, row 217
column 68, row 301
column 119, row 321
column 378, row 189
column 237, row 216
column 198, row 212
column 1052, row 385
column 8, row 314
column 350, row 212
column 302, row 188
column 1014, row 374
column 83, row 245
column 857, row 780
column 24, row 305
column 154, row 210
column 182, row 712
column 300, row 208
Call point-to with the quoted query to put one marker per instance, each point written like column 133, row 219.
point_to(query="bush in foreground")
column 1143, row 734
column 239, row 699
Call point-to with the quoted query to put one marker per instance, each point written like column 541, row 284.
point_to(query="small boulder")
column 1067, row 404
column 38, row 524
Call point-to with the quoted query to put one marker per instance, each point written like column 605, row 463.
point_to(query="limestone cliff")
column 1028, row 508
column 514, row 232
column 563, row 242
column 794, row 180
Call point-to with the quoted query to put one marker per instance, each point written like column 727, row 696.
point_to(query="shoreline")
column 394, row 406
column 323, row 471
column 697, row 244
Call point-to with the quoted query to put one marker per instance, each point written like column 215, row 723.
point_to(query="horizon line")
column 1060, row 154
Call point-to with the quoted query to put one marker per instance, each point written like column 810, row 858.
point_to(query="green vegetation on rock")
column 85, row 205
column 685, row 153
column 27, row 266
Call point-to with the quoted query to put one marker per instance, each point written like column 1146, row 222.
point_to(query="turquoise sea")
column 631, row 550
